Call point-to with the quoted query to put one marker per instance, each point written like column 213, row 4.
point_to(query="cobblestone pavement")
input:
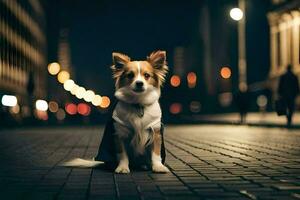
column 206, row 162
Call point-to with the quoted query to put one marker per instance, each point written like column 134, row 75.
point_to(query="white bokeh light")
column 69, row 84
column 9, row 100
column 89, row 95
column 236, row 14
column 41, row 105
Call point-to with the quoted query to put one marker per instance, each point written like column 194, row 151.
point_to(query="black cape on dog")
column 107, row 152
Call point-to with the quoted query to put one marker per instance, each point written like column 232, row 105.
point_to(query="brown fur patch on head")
column 119, row 63
column 158, row 61
column 127, row 76
column 153, row 70
column 148, row 73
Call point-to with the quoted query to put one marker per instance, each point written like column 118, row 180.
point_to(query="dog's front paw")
column 160, row 168
column 122, row 169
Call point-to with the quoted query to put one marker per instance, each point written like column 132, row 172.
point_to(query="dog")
column 138, row 113
column 136, row 118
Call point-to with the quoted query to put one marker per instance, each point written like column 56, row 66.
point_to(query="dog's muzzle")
column 139, row 86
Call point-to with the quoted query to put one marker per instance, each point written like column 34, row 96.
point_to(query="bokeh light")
column 71, row 108
column 9, row 100
column 175, row 81
column 61, row 114
column 105, row 102
column 225, row 99
column 74, row 89
column 89, row 95
column 80, row 92
column 175, row 108
column 236, row 14
column 53, row 106
column 262, row 101
column 41, row 105
column 83, row 109
column 195, row 106
column 225, row 72
column 97, row 100
column 63, row 76
column 191, row 79
column 53, row 68
column 69, row 84
column 42, row 115
column 15, row 109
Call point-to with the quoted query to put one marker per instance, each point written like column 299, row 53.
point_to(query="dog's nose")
column 139, row 84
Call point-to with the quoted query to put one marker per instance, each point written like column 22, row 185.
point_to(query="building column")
column 283, row 45
column 273, row 48
column 296, row 40
column 274, row 30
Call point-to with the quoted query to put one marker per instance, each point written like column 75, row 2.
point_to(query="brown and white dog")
column 137, row 115
column 138, row 88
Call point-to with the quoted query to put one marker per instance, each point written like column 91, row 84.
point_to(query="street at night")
column 151, row 99
column 206, row 162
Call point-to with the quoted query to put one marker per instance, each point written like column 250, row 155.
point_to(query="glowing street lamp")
column 236, row 14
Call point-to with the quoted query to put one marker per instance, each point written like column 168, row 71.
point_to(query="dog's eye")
column 130, row 75
column 147, row 76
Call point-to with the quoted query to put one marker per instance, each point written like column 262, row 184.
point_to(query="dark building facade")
column 284, row 22
column 23, row 50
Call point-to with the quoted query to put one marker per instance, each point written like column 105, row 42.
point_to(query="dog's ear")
column 158, row 60
column 119, row 60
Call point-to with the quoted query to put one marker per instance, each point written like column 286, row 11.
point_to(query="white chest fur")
column 129, row 121
column 128, row 115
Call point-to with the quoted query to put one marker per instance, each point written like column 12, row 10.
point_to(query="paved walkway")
column 258, row 119
column 206, row 162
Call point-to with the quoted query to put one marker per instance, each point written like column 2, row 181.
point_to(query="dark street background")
column 229, row 131
column 97, row 28
column 200, row 37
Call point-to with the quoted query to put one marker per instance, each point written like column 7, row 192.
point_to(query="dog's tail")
column 82, row 163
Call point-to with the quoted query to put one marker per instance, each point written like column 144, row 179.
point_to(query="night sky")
column 97, row 28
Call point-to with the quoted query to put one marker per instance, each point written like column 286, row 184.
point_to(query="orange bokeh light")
column 71, row 108
column 175, row 108
column 105, row 102
column 191, row 79
column 175, row 81
column 225, row 72
column 84, row 109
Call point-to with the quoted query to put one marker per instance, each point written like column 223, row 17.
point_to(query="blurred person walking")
column 242, row 101
column 288, row 90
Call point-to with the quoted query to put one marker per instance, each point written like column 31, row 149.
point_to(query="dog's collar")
column 138, row 107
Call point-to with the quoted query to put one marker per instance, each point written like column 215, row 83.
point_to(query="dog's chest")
column 136, row 117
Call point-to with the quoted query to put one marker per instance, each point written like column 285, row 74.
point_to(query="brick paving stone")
column 287, row 187
column 206, row 162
